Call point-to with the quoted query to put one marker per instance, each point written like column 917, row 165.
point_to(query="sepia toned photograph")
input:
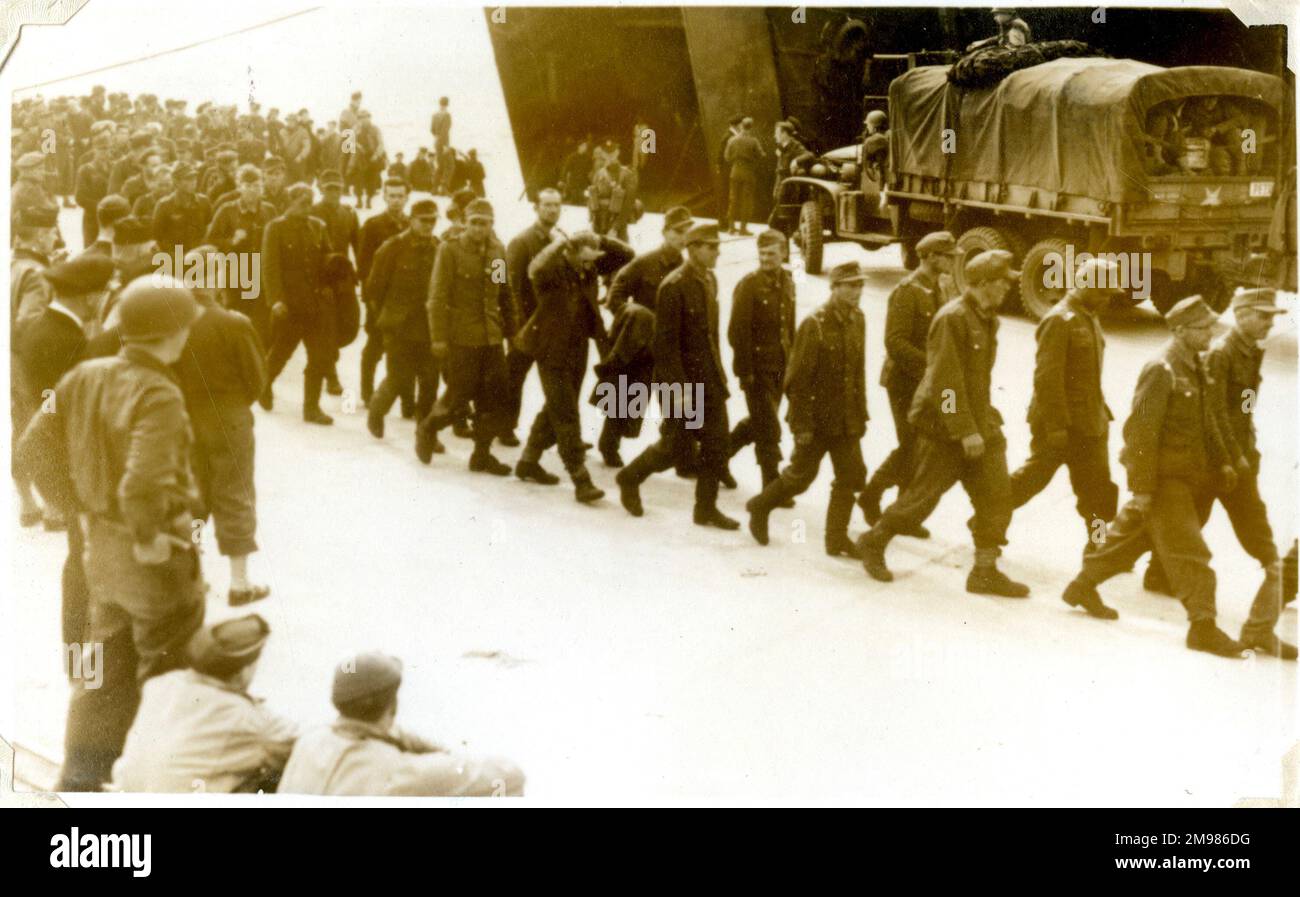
column 647, row 405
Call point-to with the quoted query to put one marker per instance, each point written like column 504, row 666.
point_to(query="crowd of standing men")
column 133, row 394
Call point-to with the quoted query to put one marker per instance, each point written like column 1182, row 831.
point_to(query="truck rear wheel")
column 810, row 236
column 1036, row 297
column 981, row 239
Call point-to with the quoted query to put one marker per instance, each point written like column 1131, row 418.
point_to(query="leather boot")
column 629, row 481
column 311, row 412
column 1204, row 635
column 838, row 512
column 871, row 550
column 986, row 579
column 1155, row 580
column 584, row 490
column 759, row 507
column 772, row 473
column 608, row 446
column 869, row 502
column 1084, row 595
column 709, row 515
column 531, row 470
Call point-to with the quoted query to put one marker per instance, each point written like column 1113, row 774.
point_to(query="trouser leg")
column 426, row 378
column 284, row 342
column 1174, row 524
column 896, row 469
column 490, row 414
column 76, row 595
column 399, row 375
column 987, row 483
column 1032, row 477
column 714, row 436
column 1249, row 518
column 1096, row 494
column 850, row 479
column 939, row 464
column 517, row 365
column 230, row 494
column 371, row 352
column 460, row 371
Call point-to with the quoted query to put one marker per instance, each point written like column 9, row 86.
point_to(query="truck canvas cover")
column 1064, row 128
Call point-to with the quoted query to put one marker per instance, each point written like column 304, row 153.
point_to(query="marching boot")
column 375, row 422
column 482, row 461
column 871, row 549
column 771, row 473
column 706, row 505
column 584, row 490
column 986, row 579
column 1155, row 580
column 509, row 439
column 531, row 470
column 1084, row 595
column 462, row 429
column 1204, row 635
column 725, row 477
column 761, row 505
column 838, row 512
column 629, row 481
column 709, row 515
column 608, row 446
column 332, row 384
column 367, row 383
column 267, row 398
column 1267, row 642
column 427, row 443
column 869, row 501
column 311, row 412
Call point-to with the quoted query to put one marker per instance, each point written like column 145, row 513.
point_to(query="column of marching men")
column 133, row 394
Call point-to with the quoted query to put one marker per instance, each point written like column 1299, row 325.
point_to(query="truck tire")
column 981, row 239
column 810, row 236
column 1037, row 298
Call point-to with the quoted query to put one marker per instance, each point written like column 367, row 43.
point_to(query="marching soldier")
column 1068, row 417
column 200, row 725
column 118, row 452
column 340, row 220
column 761, row 332
column 1176, row 460
column 376, row 230
column 1233, row 368
column 959, row 432
column 912, row 306
column 687, row 357
column 395, row 295
column 632, row 301
column 826, row 382
column 239, row 226
column 364, row 753
column 520, row 253
column 471, row 315
column 180, row 219
column 566, row 280
column 294, row 248
column 222, row 373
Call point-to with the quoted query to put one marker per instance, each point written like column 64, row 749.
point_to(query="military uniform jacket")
column 952, row 401
column 194, row 733
column 223, row 368
column 640, row 278
column 826, row 379
column 398, row 285
column 519, row 255
column 48, row 347
column 181, row 221
column 743, row 154
column 469, row 300
column 232, row 217
column 119, row 447
column 343, row 226
column 912, row 306
column 1173, row 430
column 1067, row 373
column 1233, row 363
column 761, row 330
column 568, row 310
column 293, row 257
column 374, row 233
column 29, row 291
column 686, row 331
column 357, row 758
column 92, row 186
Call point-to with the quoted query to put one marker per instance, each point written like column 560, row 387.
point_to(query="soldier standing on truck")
column 959, row 431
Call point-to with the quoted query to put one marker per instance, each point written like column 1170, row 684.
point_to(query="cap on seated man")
column 198, row 729
column 363, row 753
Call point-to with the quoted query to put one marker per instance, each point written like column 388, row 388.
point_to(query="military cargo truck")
column 1178, row 165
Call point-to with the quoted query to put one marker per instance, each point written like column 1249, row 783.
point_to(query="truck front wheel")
column 810, row 236
column 1036, row 295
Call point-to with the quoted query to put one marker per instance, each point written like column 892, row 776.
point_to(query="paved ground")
column 621, row 659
